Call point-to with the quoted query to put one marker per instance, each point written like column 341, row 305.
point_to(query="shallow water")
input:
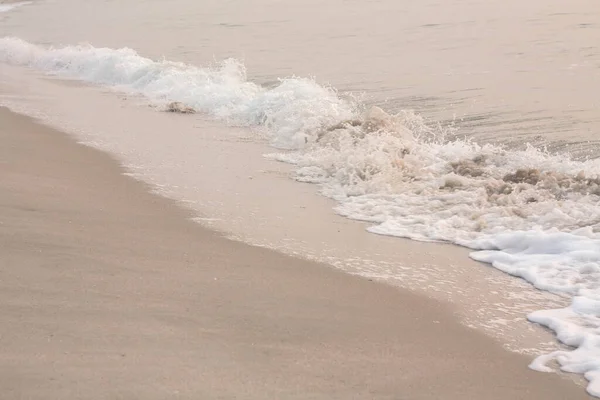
column 502, row 74
column 503, row 71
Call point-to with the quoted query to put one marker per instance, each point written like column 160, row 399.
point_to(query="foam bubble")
column 528, row 213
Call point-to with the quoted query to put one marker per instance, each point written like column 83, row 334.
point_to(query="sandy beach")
column 110, row 292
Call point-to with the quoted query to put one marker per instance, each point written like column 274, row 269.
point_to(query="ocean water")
column 8, row 6
column 473, row 123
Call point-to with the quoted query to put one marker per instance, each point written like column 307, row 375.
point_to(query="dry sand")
column 109, row 292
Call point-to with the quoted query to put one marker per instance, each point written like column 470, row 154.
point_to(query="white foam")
column 563, row 263
column 11, row 6
column 292, row 111
column 528, row 213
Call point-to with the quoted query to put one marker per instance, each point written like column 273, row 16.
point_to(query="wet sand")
column 110, row 292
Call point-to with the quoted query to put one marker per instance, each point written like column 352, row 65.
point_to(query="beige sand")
column 109, row 292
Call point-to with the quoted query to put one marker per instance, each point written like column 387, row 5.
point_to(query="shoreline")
column 190, row 166
column 118, row 293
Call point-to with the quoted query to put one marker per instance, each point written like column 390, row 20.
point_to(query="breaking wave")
column 528, row 213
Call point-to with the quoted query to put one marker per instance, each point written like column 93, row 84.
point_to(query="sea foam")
column 528, row 213
column 11, row 6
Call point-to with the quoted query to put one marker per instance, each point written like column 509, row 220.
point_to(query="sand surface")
column 109, row 292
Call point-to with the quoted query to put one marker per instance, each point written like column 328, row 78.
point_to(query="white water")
column 531, row 214
column 12, row 6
